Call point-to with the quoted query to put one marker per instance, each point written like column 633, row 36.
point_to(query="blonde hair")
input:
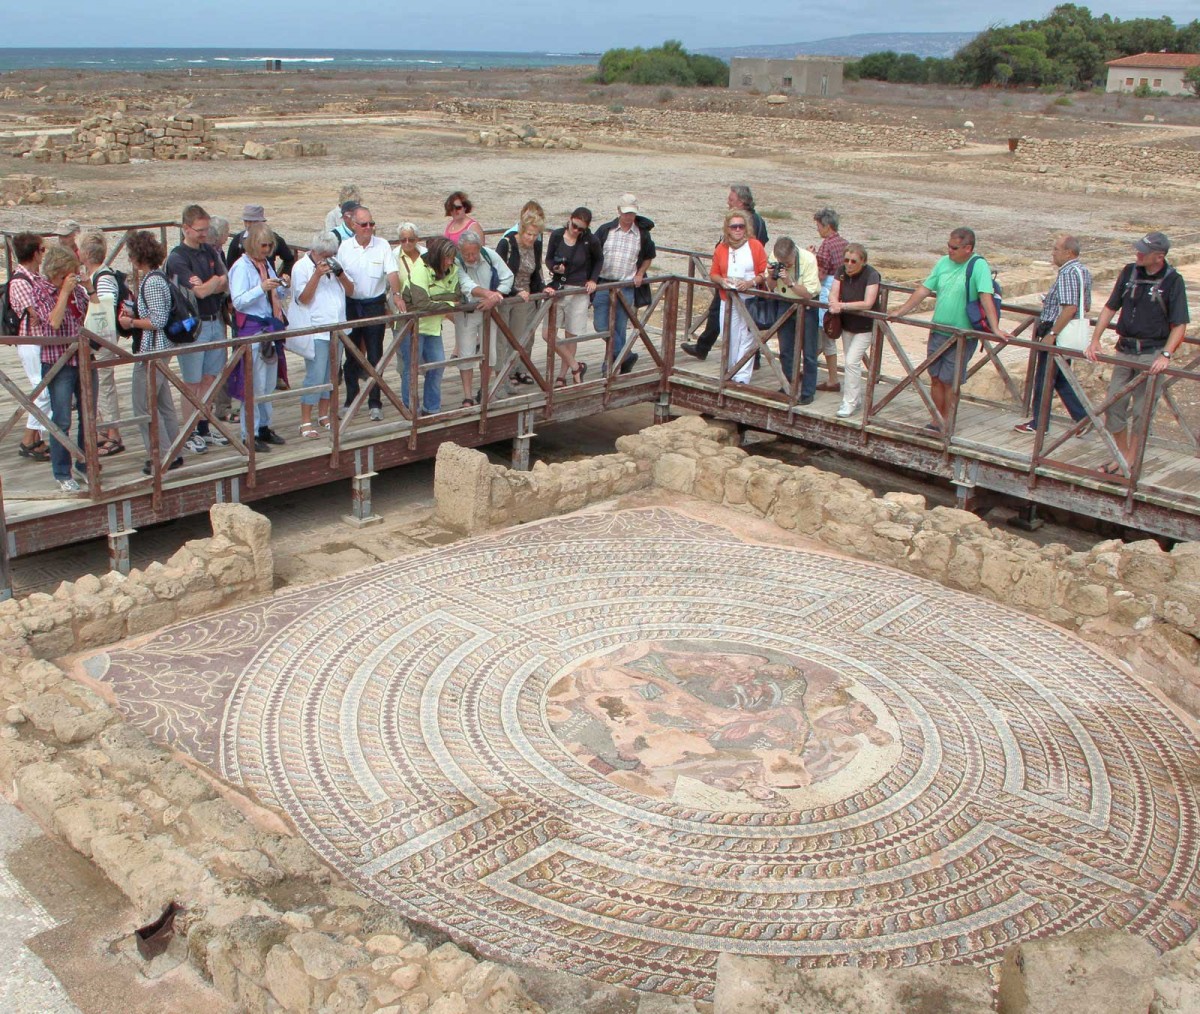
column 93, row 246
column 57, row 259
column 256, row 235
column 730, row 215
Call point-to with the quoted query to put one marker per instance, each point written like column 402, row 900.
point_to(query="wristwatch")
column 1165, row 354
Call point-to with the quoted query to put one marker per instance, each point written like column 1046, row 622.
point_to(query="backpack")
column 10, row 323
column 975, row 312
column 123, row 296
column 183, row 322
column 1156, row 287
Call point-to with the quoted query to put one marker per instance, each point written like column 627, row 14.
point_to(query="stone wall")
column 1082, row 154
column 1131, row 598
column 25, row 188
column 235, row 565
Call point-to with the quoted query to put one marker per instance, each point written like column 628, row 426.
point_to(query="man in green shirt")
column 948, row 282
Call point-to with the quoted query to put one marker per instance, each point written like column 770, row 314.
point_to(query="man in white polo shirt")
column 371, row 265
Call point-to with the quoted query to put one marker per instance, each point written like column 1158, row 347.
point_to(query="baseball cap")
column 349, row 206
column 66, row 227
column 1152, row 242
column 253, row 213
column 627, row 203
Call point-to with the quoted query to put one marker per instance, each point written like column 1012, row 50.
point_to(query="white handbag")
column 1077, row 332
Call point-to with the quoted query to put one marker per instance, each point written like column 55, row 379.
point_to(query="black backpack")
column 183, row 322
column 10, row 323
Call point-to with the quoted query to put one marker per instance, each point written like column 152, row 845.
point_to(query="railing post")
column 119, row 530
column 6, row 589
column 520, row 453
column 361, row 514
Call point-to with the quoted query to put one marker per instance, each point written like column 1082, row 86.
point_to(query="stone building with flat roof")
column 804, row 75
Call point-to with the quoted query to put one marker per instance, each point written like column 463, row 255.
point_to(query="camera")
column 776, row 270
column 335, row 266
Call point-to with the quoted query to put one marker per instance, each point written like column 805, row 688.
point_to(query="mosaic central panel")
column 620, row 744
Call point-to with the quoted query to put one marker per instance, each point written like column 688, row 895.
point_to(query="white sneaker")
column 196, row 444
column 376, row 415
column 69, row 486
column 845, row 410
column 215, row 438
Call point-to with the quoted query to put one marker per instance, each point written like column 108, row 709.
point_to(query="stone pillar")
column 462, row 480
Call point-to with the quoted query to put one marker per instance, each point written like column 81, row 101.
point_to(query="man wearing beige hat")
column 628, row 252
column 1150, row 304
column 282, row 259
column 67, row 232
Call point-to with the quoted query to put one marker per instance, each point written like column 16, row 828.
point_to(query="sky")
column 513, row 25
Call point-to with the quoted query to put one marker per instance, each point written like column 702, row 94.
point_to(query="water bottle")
column 185, row 326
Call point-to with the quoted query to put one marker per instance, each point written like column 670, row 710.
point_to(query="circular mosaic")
column 619, row 745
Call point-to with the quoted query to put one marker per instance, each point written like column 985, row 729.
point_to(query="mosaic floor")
column 618, row 744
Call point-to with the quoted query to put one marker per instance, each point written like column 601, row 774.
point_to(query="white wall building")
column 1160, row 72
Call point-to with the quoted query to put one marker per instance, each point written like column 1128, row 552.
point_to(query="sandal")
column 521, row 378
column 469, row 403
column 34, row 451
column 561, row 382
column 308, row 431
column 578, row 372
column 1112, row 468
column 323, row 420
column 106, row 448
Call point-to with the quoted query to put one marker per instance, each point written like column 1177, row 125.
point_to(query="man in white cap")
column 282, row 259
column 1151, row 301
column 628, row 253
column 67, row 232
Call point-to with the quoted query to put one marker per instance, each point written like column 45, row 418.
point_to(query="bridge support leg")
column 965, row 474
column 662, row 409
column 361, row 514
column 120, row 527
column 520, row 451
column 1027, row 518
column 6, row 589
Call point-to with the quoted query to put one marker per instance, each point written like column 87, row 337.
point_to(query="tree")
column 1192, row 80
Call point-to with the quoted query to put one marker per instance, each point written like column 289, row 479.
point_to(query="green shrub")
column 1062, row 100
column 616, row 107
column 668, row 64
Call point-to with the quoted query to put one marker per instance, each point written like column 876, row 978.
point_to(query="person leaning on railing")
column 59, row 305
column 147, row 254
column 320, row 298
column 574, row 258
column 484, row 280
column 28, row 248
column 855, row 287
column 432, row 286
column 1152, row 302
column 796, row 275
column 104, row 294
column 521, row 249
column 739, row 264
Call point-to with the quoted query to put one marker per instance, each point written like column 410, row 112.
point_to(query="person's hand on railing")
column 589, row 286
column 1092, row 350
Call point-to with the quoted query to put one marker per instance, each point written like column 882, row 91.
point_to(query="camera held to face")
column 335, row 266
column 776, row 269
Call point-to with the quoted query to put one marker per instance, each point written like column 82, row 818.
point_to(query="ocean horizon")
column 169, row 58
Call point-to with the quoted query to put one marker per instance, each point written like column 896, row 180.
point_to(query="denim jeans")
column 431, row 351
column 63, row 388
column 810, row 349
column 316, row 371
column 370, row 341
column 601, row 305
column 1070, row 399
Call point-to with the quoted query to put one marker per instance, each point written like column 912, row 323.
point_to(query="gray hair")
column 408, row 227
column 829, row 217
column 743, row 194
column 964, row 235
column 471, row 238
column 218, row 230
column 1070, row 244
column 349, row 192
column 324, row 242
column 93, row 246
column 785, row 249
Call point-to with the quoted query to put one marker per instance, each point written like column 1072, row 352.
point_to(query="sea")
column 132, row 59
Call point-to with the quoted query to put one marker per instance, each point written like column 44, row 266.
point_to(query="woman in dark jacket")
column 574, row 257
column 521, row 249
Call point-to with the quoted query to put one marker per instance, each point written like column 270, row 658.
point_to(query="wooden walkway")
column 1161, row 493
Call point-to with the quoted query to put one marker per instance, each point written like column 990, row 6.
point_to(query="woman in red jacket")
column 739, row 264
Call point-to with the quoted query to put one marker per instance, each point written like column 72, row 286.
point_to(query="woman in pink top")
column 458, row 207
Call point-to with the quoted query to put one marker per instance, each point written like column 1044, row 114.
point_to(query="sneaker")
column 195, row 443
column 215, row 438
column 261, row 446
column 694, row 350
column 342, row 411
column 376, row 415
column 845, row 410
column 806, row 399
column 628, row 362
column 69, row 486
column 270, row 436
column 1025, row 427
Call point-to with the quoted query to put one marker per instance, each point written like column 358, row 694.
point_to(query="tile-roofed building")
column 1160, row 72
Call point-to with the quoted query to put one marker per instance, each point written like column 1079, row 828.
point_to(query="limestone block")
column 951, row 520
column 352, row 996
column 287, row 981
column 908, row 501
column 1098, row 971
column 80, row 822
column 1177, row 982
column 414, row 1003
column 53, row 643
column 323, row 957
column 246, row 527
column 675, row 472
column 43, row 789
column 153, row 616
column 1086, row 599
column 75, row 728
column 1145, row 567
column 385, row 943
column 710, row 478
column 44, row 709
column 462, row 488
column 964, row 568
column 290, row 148
column 447, row 965
column 451, row 1003
column 932, row 551
column 762, row 488
column 181, row 785
column 754, row 985
column 314, row 149
column 406, row 978
column 735, row 485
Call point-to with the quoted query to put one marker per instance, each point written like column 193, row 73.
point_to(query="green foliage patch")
column 668, row 64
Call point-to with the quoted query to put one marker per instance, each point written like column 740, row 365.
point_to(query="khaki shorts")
column 468, row 328
column 573, row 313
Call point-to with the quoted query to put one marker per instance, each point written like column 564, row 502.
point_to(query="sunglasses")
column 576, row 226
column 365, row 225
column 850, row 260
column 954, row 247
column 737, row 225
column 459, row 207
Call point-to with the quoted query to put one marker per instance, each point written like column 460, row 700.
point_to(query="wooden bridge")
column 976, row 450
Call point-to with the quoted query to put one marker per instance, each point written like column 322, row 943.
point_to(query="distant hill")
column 921, row 43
